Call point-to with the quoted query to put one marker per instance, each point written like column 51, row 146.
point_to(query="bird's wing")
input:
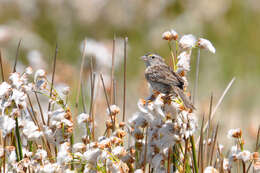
column 163, row 74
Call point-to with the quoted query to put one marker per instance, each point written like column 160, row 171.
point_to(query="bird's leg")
column 152, row 97
column 167, row 99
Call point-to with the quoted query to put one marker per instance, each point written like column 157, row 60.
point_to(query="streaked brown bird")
column 163, row 79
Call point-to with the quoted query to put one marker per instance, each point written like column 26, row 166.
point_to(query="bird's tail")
column 185, row 99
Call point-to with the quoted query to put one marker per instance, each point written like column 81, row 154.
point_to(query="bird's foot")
column 152, row 97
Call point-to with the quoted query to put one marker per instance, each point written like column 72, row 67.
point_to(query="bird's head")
column 151, row 59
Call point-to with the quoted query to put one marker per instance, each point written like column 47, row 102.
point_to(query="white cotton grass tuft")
column 159, row 128
column 15, row 79
column 244, row 155
column 234, row 133
column 206, row 44
column 31, row 131
column 4, row 89
column 184, row 61
column 6, row 125
column 29, row 70
column 170, row 35
column 40, row 154
column 210, row 169
column 39, row 74
column 83, row 118
column 79, row 147
column 64, row 156
column 139, row 171
column 114, row 110
column 91, row 155
column 98, row 50
column 187, row 41
column 66, row 90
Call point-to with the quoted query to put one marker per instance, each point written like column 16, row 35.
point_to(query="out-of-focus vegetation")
column 232, row 26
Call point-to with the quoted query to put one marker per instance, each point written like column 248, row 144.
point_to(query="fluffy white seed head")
column 206, row 44
column 187, row 41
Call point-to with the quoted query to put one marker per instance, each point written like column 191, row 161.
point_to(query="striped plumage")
column 163, row 79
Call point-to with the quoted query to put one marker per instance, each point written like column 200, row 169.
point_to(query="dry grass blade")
column 169, row 160
column 108, row 105
column 53, row 74
column 124, row 97
column 213, row 144
column 32, row 114
column 81, row 73
column 221, row 159
column 209, row 123
column 16, row 56
column 249, row 166
column 92, row 82
column 34, row 118
column 207, row 149
column 92, row 115
column 4, row 156
column 146, row 146
column 257, row 139
column 83, row 97
column 244, row 166
column 201, row 153
column 38, row 102
column 219, row 102
column 185, row 155
column 256, row 148
column 112, row 101
column 114, row 91
column 2, row 67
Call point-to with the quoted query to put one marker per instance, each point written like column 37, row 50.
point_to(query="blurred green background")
column 232, row 26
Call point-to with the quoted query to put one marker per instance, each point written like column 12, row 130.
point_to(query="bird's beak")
column 144, row 58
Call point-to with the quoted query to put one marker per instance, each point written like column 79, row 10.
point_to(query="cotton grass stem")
column 124, row 97
column 108, row 105
column 195, row 91
column 2, row 68
column 81, row 73
column 112, row 101
column 220, row 101
column 16, row 56
column 194, row 154
column 19, row 143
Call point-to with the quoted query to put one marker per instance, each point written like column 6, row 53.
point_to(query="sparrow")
column 163, row 79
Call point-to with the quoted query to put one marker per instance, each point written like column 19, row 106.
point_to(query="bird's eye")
column 153, row 57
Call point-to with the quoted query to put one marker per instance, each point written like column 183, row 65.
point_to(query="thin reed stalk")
column 112, row 101
column 257, row 139
column 53, row 75
column 92, row 114
column 108, row 105
column 194, row 154
column 81, row 73
column 145, row 149
column 40, row 108
column 92, row 87
column 219, row 102
column 213, row 144
column 83, row 97
column 18, row 136
column 124, row 93
column 2, row 67
column 201, row 151
column 17, row 55
column 195, row 91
